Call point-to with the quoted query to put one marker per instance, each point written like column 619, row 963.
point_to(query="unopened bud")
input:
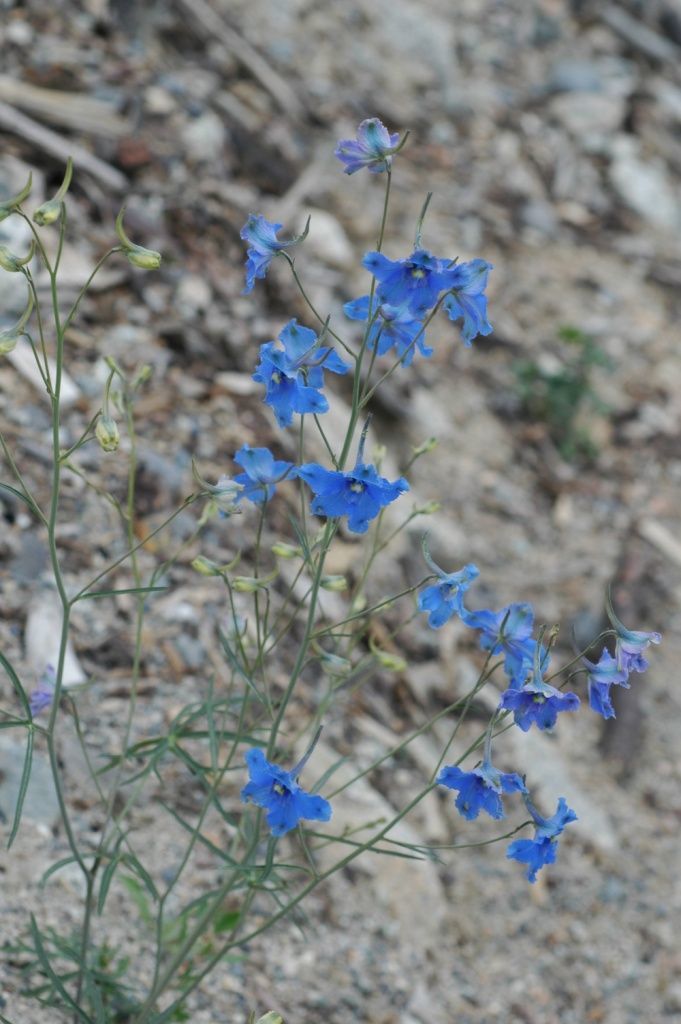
column 334, row 664
column 50, row 212
column 393, row 662
column 11, row 263
column 426, row 447
column 205, row 566
column 270, row 1018
column 429, row 509
column 147, row 259
column 10, row 336
column 249, row 584
column 336, row 583
column 10, row 205
column 142, row 376
column 107, row 434
column 283, row 550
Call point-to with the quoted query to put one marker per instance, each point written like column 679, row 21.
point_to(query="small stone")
column 644, row 186
column 591, row 118
column 328, row 241
column 159, row 101
column 204, row 137
column 194, row 294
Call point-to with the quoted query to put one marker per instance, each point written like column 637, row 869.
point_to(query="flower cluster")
column 404, row 296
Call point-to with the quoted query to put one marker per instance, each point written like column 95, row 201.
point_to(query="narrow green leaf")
column 124, row 590
column 135, row 865
column 53, row 868
column 22, row 497
column 16, row 683
column 108, row 876
column 54, row 978
column 23, row 786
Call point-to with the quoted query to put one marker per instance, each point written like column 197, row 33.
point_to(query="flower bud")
column 107, row 434
column 11, row 263
column 142, row 376
column 50, row 212
column 270, row 1018
column 429, row 509
column 334, row 664
column 428, row 445
column 10, row 205
column 392, row 662
column 249, row 584
column 283, row 550
column 147, row 259
column 335, row 583
column 10, row 336
column 205, row 566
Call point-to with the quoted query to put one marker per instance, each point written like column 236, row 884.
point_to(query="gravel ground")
column 550, row 133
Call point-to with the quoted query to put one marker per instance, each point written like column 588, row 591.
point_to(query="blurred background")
column 550, row 134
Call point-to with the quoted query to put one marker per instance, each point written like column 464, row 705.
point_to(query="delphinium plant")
column 250, row 745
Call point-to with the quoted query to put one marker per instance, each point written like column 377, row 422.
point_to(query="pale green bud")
column 270, row 1018
column 10, row 205
column 142, row 376
column 334, row 664
column 107, row 434
column 393, row 662
column 336, row 583
column 429, row 509
column 224, row 494
column 50, row 212
column 428, row 445
column 249, row 584
column 283, row 550
column 205, row 566
column 10, row 336
column 147, row 259
column 11, row 263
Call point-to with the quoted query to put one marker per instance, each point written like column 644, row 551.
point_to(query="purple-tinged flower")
column 537, row 702
column 543, row 848
column 359, row 494
column 262, row 473
column 601, row 676
column 480, row 789
column 508, row 631
column 294, row 375
column 43, row 695
column 467, row 300
column 263, row 245
column 278, row 792
column 394, row 327
column 373, row 148
column 416, row 282
column 444, row 599
column 630, row 643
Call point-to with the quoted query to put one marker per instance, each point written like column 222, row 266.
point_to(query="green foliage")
column 559, row 397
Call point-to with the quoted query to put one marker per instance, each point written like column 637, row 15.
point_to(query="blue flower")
column 277, row 790
column 263, row 244
column 359, row 494
column 510, row 631
column 372, row 149
column 543, row 848
column 445, row 599
column 293, row 377
column 481, row 789
column 262, row 472
column 537, row 702
column 601, row 676
column 416, row 282
column 467, row 300
column 43, row 695
column 394, row 327
column 630, row 643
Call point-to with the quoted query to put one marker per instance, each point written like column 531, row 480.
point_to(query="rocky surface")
column 549, row 133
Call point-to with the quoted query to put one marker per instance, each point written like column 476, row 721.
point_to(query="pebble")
column 645, row 186
column 204, row 137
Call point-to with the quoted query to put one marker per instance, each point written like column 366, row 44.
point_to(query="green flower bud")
column 249, row 584
column 283, row 550
column 50, row 212
column 147, row 259
column 426, row 447
column 223, row 494
column 10, row 205
column 334, row 664
column 270, row 1018
column 393, row 662
column 336, row 583
column 205, row 566
column 10, row 336
column 11, row 263
column 142, row 376
column 107, row 434
column 429, row 509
